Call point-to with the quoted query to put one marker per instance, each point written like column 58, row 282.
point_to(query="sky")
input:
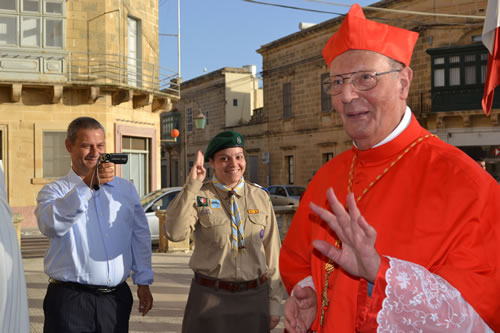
column 228, row 33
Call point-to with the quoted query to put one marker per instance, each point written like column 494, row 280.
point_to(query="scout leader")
column 236, row 285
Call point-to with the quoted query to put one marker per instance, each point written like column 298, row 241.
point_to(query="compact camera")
column 115, row 158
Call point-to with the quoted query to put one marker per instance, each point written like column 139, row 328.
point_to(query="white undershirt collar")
column 403, row 124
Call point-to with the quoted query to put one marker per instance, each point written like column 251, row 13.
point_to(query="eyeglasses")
column 362, row 81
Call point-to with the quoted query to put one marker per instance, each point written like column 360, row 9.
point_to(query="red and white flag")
column 491, row 39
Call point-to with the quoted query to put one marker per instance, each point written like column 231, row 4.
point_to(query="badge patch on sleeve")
column 262, row 233
column 214, row 203
column 201, row 201
column 253, row 211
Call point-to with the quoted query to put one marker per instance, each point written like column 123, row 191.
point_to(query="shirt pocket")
column 213, row 229
column 257, row 227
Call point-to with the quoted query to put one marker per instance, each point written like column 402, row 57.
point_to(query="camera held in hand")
column 115, row 158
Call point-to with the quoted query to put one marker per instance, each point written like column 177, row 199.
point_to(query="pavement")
column 170, row 291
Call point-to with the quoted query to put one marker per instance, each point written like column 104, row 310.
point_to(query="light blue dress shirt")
column 96, row 237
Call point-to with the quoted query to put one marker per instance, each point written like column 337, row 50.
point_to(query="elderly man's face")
column 370, row 116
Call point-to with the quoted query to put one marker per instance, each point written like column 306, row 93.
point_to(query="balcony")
column 127, row 78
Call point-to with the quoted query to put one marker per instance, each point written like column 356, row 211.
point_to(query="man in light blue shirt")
column 98, row 235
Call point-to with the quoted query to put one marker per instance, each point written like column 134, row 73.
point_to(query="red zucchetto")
column 358, row 33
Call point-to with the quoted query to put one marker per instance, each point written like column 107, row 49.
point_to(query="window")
column 326, row 100
column 32, row 23
column 137, row 169
column 287, row 100
column 281, row 191
column 170, row 121
column 56, row 160
column 163, row 202
column 458, row 75
column 272, row 190
column 235, row 102
column 189, row 119
column 291, row 169
column 327, row 157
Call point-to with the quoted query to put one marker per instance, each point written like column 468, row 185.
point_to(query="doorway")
column 137, row 169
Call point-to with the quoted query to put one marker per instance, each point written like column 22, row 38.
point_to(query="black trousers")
column 70, row 309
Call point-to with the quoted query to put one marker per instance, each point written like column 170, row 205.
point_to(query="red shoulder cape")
column 436, row 207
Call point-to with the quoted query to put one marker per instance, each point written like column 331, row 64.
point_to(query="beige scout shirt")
column 205, row 209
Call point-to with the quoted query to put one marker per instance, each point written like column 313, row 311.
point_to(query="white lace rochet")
column 420, row 301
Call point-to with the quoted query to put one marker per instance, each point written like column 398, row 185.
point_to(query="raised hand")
column 198, row 171
column 358, row 255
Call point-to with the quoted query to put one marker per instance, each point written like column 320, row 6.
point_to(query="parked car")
column 157, row 200
column 283, row 195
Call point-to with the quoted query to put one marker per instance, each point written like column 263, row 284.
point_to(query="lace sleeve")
column 420, row 301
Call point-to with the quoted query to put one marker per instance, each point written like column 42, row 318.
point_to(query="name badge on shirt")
column 214, row 203
column 253, row 211
column 201, row 201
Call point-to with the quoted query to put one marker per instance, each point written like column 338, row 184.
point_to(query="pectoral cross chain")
column 329, row 268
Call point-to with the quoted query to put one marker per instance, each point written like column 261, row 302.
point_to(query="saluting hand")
column 358, row 255
column 198, row 171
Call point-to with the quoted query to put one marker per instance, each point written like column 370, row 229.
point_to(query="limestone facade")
column 312, row 131
column 228, row 97
column 100, row 60
column 297, row 130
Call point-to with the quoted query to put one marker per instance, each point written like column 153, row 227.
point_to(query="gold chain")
column 355, row 157
column 330, row 266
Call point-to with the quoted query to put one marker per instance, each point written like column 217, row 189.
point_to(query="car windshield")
column 295, row 190
column 145, row 200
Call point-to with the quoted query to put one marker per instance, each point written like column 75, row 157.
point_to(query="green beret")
column 226, row 139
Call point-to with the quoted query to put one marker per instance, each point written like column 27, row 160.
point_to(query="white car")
column 284, row 195
column 157, row 200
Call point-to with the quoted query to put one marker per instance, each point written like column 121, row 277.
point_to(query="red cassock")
column 435, row 207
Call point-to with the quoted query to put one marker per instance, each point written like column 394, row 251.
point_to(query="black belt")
column 229, row 285
column 86, row 287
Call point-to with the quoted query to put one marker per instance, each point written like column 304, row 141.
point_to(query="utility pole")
column 178, row 36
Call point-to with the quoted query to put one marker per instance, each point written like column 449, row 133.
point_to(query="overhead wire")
column 293, row 7
column 446, row 24
column 402, row 11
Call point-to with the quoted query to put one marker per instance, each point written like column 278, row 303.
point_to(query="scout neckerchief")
column 238, row 241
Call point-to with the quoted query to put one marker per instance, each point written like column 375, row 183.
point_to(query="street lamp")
column 200, row 120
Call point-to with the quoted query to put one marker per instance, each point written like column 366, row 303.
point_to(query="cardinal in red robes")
column 401, row 233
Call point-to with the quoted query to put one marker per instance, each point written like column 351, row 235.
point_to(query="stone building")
column 229, row 98
column 297, row 130
column 63, row 59
column 449, row 64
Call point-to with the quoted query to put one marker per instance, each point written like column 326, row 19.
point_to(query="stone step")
column 34, row 246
